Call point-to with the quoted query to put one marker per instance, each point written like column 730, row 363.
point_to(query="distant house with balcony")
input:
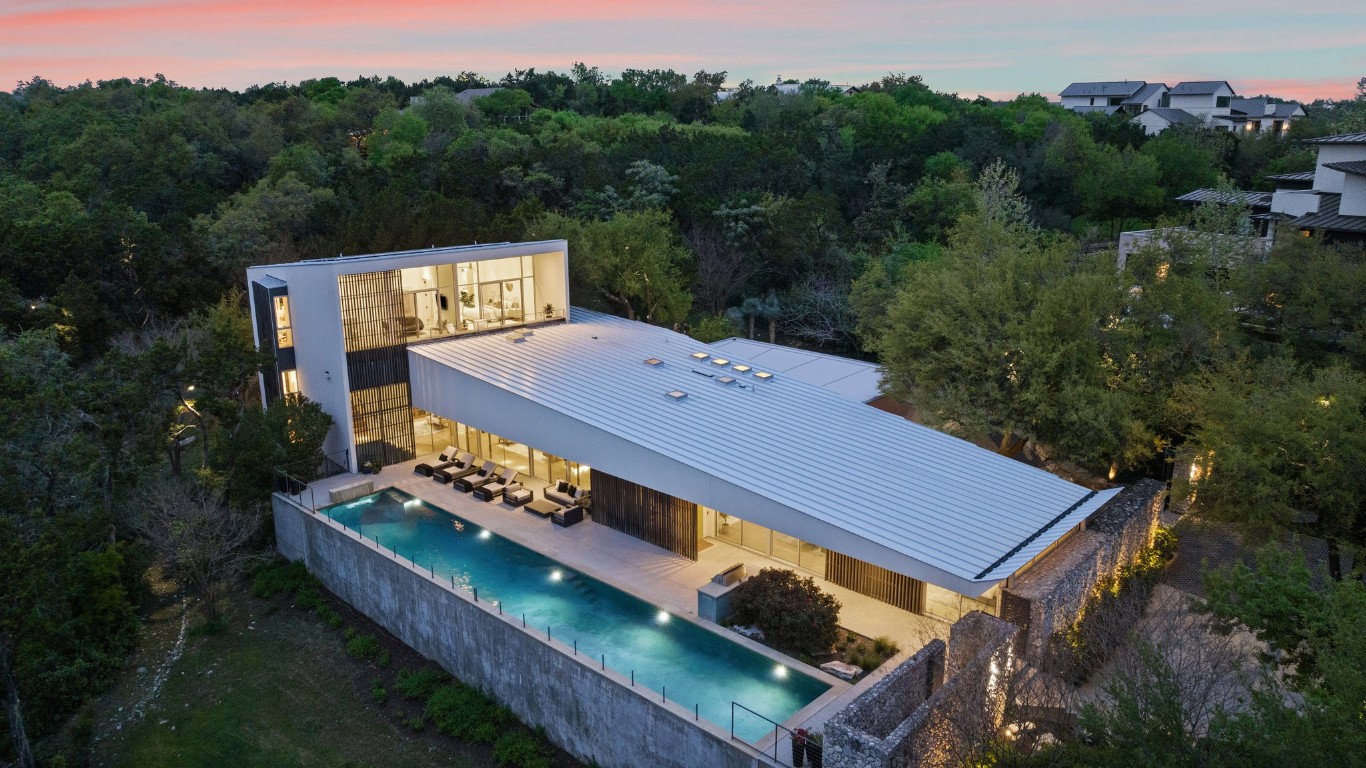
column 1129, row 96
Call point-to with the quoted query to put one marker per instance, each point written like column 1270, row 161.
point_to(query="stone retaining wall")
column 1050, row 595
column 589, row 712
column 909, row 720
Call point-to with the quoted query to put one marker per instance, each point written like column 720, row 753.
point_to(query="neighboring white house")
column 1104, row 94
column 1159, row 119
column 1203, row 102
column 1334, row 207
column 1203, row 98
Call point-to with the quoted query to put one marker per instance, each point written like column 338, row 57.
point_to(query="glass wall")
column 778, row 546
column 450, row 299
column 525, row 459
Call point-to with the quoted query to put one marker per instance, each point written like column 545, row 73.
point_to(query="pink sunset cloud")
column 993, row 47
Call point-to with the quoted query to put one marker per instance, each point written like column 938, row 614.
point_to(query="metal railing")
column 293, row 479
column 781, row 735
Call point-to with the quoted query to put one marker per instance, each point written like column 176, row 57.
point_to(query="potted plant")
column 815, row 750
column 799, row 747
column 548, row 311
column 467, row 299
column 368, row 468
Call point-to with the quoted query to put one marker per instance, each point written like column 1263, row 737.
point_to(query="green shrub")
column 377, row 691
column 416, row 722
column 383, row 658
column 363, row 647
column 522, row 750
column 794, row 614
column 329, row 616
column 420, row 683
column 309, row 598
column 348, row 633
column 279, row 577
column 885, row 647
column 463, row 712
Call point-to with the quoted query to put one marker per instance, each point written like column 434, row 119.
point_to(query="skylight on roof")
column 653, row 361
column 720, row 361
column 727, row 379
column 765, row 375
column 740, row 368
column 700, row 355
column 677, row 395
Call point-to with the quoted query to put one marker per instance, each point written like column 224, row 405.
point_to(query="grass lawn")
column 275, row 689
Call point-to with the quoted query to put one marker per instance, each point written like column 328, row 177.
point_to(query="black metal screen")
column 377, row 366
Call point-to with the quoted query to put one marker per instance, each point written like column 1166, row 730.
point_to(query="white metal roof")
column 830, row 464
column 855, row 379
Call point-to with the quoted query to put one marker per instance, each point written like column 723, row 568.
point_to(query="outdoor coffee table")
column 541, row 507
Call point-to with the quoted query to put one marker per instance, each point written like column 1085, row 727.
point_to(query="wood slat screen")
column 658, row 518
column 377, row 366
column 874, row 581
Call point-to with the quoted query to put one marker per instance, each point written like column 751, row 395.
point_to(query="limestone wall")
column 1052, row 593
column 909, row 719
column 594, row 714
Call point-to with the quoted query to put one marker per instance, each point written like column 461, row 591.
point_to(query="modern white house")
column 1330, row 202
column 1156, row 107
column 681, row 442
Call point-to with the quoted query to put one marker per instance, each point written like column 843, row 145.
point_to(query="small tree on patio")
column 793, row 612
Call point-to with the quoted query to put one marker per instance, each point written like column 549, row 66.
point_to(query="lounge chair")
column 446, row 459
column 494, row 490
column 464, row 466
column 566, row 495
column 468, row 481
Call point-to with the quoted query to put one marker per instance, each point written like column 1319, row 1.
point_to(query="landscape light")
column 556, row 575
column 486, row 534
column 662, row 617
column 780, row 672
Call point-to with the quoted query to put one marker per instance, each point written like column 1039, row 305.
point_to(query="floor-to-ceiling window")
column 450, row 299
column 775, row 544
column 523, row 458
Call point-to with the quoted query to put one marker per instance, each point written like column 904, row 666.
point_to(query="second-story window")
column 284, row 335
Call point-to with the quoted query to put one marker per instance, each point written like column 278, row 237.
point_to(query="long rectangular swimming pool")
column 666, row 654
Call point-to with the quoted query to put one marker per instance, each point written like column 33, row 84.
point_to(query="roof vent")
column 518, row 338
column 700, row 355
column 765, row 375
column 727, row 379
column 720, row 361
column 676, row 395
column 740, row 368
column 654, row 361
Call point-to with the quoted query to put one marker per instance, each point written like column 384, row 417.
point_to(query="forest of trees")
column 960, row 243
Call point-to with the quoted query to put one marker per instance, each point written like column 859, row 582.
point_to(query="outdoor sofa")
column 567, row 495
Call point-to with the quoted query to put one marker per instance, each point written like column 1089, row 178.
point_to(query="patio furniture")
column 566, row 494
column 446, row 459
column 516, row 495
column 494, row 490
column 541, row 508
column 567, row 516
column 468, row 482
column 461, row 469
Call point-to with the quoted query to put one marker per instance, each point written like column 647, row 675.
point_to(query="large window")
column 775, row 544
column 284, row 335
column 449, row 299
column 523, row 458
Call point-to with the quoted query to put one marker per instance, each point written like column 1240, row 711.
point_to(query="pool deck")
column 657, row 575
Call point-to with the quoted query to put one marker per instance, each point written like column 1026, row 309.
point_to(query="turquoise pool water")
column 667, row 654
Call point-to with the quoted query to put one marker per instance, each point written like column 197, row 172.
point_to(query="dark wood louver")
column 653, row 516
column 874, row 581
column 377, row 366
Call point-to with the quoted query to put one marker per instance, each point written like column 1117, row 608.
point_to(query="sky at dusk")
column 996, row 48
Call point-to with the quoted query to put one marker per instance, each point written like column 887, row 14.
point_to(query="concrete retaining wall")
column 1057, row 587
column 591, row 713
